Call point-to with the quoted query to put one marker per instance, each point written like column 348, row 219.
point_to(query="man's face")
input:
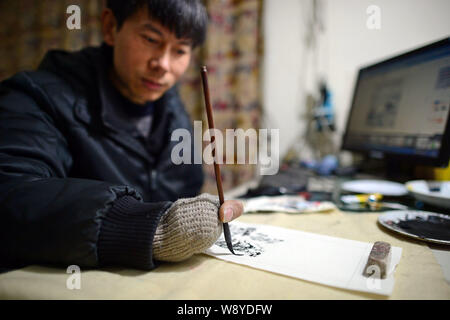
column 148, row 58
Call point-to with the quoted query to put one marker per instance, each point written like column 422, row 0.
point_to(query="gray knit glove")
column 188, row 227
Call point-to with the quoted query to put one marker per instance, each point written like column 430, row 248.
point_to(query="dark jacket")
column 75, row 189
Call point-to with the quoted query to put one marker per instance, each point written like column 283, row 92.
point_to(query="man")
column 85, row 171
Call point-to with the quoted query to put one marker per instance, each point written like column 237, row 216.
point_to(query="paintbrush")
column 226, row 228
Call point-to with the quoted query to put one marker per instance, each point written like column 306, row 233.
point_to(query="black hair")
column 186, row 18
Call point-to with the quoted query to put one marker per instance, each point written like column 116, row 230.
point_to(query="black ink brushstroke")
column 250, row 242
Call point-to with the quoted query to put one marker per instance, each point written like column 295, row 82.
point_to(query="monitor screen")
column 400, row 107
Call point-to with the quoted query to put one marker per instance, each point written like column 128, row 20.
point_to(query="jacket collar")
column 162, row 116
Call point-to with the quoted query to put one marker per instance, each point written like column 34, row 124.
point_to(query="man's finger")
column 230, row 210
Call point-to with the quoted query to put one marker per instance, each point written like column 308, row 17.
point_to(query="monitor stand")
column 387, row 169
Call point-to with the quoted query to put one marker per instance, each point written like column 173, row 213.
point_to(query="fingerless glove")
column 188, row 227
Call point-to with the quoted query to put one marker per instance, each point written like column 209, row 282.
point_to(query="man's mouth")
column 152, row 85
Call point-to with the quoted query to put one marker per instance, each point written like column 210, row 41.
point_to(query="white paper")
column 327, row 260
column 387, row 188
column 290, row 204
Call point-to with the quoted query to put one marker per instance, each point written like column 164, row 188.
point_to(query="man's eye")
column 181, row 52
column 151, row 40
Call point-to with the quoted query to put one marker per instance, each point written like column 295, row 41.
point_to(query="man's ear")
column 109, row 26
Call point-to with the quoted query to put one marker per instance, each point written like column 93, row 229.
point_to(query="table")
column 418, row 275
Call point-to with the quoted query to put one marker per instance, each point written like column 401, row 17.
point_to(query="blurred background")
column 269, row 61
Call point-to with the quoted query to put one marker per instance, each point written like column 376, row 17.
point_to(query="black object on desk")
column 287, row 181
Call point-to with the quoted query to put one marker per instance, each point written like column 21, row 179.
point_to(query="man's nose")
column 161, row 60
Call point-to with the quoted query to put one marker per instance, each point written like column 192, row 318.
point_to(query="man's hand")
column 191, row 226
column 230, row 210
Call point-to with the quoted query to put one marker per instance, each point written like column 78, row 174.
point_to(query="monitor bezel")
column 442, row 160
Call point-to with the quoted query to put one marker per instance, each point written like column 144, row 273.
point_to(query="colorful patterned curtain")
column 31, row 27
column 231, row 53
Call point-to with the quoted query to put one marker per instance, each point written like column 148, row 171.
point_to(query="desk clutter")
column 408, row 221
column 301, row 190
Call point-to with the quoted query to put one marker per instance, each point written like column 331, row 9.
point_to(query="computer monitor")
column 400, row 108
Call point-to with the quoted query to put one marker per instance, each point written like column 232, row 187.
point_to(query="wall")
column 282, row 85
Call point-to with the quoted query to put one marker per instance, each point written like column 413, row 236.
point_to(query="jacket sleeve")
column 47, row 217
